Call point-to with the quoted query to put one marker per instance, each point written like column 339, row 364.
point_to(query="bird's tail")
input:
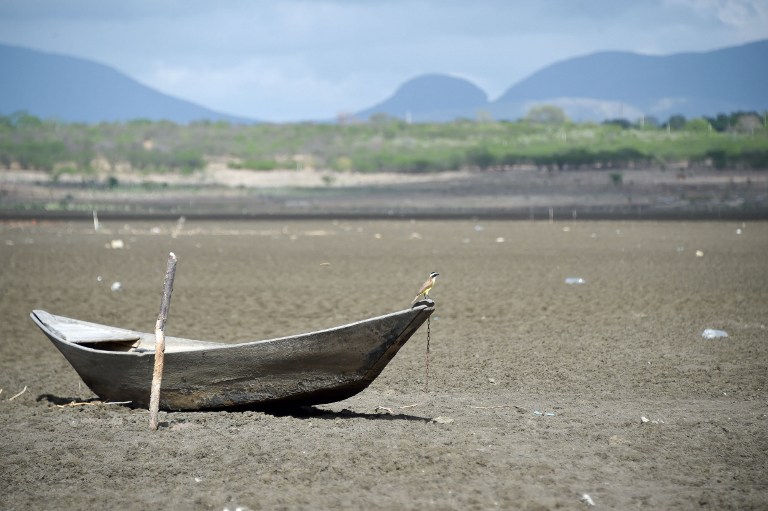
column 414, row 300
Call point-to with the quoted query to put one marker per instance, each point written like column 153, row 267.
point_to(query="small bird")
column 427, row 286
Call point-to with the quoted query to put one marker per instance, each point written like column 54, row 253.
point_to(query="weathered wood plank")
column 80, row 332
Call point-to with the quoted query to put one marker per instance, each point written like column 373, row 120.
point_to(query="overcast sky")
column 298, row 60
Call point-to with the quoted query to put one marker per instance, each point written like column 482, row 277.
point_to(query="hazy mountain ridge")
column 78, row 90
column 622, row 84
column 692, row 84
column 594, row 87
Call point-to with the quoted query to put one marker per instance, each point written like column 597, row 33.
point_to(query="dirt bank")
column 522, row 193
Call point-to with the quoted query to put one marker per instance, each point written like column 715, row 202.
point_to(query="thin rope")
column 426, row 379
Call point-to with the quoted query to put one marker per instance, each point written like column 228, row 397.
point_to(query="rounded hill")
column 432, row 97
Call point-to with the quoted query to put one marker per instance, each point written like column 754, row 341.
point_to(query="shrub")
column 481, row 157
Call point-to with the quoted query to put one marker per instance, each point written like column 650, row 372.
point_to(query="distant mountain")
column 602, row 86
column 594, row 87
column 432, row 98
column 621, row 84
column 79, row 90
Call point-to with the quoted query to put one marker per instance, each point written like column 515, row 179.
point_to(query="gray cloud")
column 291, row 60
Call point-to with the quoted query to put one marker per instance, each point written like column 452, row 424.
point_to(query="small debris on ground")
column 17, row 395
column 618, row 440
column 711, row 333
column 95, row 402
column 442, row 420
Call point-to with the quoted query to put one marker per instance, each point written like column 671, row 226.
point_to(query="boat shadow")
column 313, row 412
column 295, row 411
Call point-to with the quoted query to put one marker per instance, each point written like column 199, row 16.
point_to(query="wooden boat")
column 306, row 369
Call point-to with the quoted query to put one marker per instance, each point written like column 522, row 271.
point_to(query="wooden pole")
column 157, row 374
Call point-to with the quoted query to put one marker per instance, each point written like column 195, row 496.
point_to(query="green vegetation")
column 545, row 138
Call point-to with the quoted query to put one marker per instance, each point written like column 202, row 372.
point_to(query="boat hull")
column 307, row 369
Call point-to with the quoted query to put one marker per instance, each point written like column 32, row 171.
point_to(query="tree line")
column 544, row 138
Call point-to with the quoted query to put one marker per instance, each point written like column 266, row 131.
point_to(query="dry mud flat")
column 648, row 193
column 536, row 387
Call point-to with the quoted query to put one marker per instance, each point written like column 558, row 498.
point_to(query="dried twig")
column 157, row 374
column 92, row 403
column 391, row 411
column 20, row 393
column 520, row 408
